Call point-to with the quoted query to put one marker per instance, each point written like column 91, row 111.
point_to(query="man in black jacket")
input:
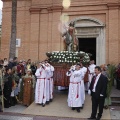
column 97, row 90
column 7, row 79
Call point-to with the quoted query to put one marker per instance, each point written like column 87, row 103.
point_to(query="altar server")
column 91, row 71
column 74, row 95
column 84, row 70
column 49, row 82
column 40, row 92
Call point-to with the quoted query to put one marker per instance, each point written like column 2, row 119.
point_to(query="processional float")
column 62, row 60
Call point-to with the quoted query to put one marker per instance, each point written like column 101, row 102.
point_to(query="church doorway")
column 88, row 45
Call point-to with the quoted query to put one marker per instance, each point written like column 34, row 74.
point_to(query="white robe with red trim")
column 91, row 72
column 40, row 91
column 74, row 95
column 51, row 82
column 83, row 70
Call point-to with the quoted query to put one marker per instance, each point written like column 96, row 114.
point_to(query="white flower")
column 82, row 52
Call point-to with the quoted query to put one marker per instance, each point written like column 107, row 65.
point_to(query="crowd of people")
column 26, row 82
column 15, row 82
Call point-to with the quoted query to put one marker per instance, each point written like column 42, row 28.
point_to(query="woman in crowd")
column 28, row 84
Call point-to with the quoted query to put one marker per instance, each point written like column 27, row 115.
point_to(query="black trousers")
column 7, row 100
column 97, row 102
column 118, row 83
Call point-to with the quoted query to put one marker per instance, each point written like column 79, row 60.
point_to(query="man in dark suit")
column 97, row 90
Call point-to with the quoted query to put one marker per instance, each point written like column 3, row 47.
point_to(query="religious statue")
column 70, row 39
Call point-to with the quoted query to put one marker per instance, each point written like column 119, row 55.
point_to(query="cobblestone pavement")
column 114, row 110
column 9, row 117
column 12, row 116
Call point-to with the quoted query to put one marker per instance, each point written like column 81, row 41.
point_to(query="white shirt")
column 97, row 78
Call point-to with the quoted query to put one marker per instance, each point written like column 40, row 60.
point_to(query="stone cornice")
column 55, row 8
column 49, row 9
column 6, row 0
column 113, row 5
column 11, row 0
column 35, row 10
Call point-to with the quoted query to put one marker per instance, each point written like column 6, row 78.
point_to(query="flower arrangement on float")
column 68, row 57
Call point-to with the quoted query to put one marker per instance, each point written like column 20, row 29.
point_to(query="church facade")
column 97, row 24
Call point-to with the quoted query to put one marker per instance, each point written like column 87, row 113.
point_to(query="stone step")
column 115, row 103
column 115, row 98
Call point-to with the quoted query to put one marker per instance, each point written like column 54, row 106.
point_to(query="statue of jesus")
column 70, row 38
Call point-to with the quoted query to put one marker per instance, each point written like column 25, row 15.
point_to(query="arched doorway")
column 91, row 33
column 88, row 45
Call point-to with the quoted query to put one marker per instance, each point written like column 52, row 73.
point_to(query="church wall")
column 6, row 30
column 23, row 28
column 34, row 36
column 43, row 35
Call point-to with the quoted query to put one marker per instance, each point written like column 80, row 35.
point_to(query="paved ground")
column 19, row 117
column 59, row 108
column 15, row 109
column 7, row 115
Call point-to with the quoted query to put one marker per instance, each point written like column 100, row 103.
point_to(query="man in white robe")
column 49, row 82
column 74, row 95
column 40, row 92
column 84, row 70
column 48, row 75
column 91, row 71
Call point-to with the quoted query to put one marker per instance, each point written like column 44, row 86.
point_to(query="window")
column 18, row 42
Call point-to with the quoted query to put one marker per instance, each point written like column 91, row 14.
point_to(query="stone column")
column 100, row 47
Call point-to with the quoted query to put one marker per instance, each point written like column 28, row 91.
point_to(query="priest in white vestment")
column 74, row 95
column 84, row 70
column 40, row 92
column 49, row 82
column 91, row 71
column 48, row 75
